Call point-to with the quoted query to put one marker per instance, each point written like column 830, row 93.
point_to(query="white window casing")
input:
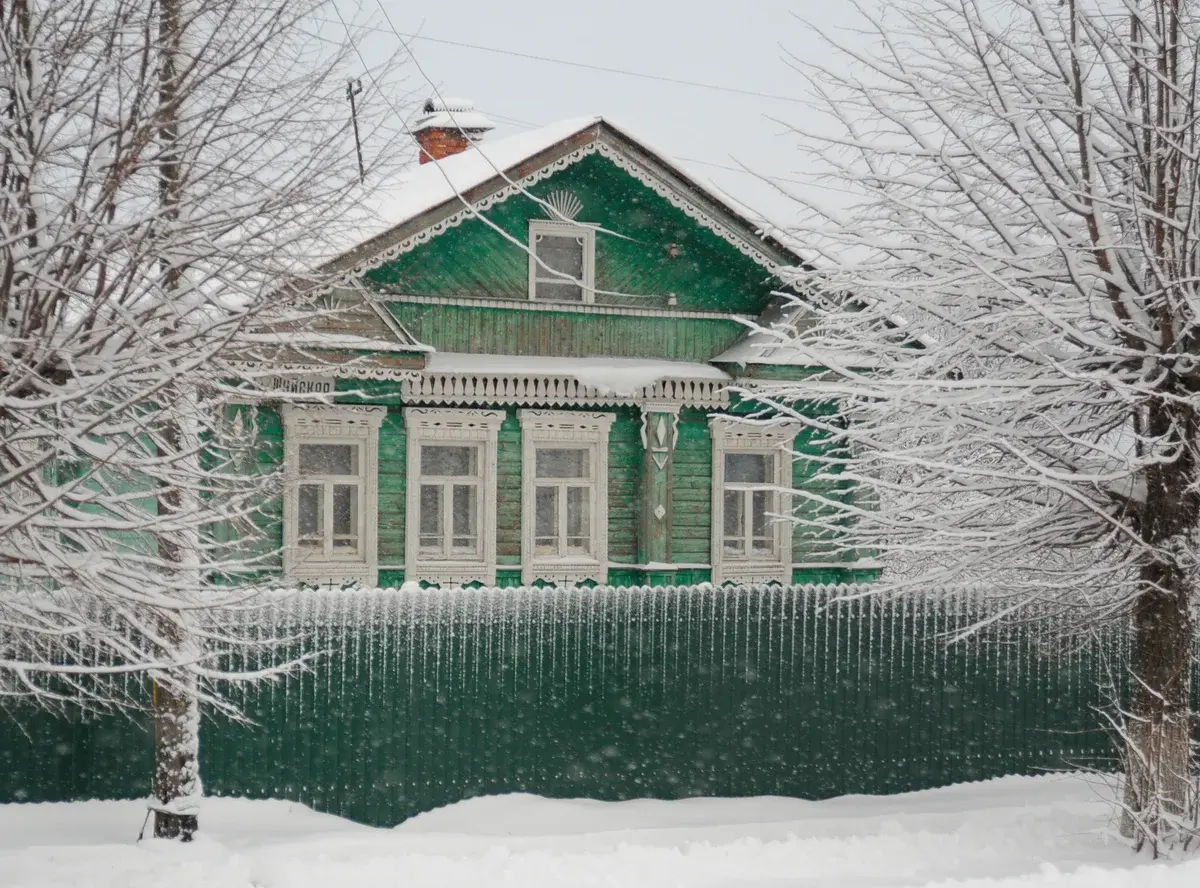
column 564, row 496
column 331, row 499
column 570, row 249
column 450, row 515
column 751, row 483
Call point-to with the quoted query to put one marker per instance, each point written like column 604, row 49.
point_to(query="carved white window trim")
column 558, row 428
column 440, row 426
column 587, row 238
column 332, row 425
column 730, row 434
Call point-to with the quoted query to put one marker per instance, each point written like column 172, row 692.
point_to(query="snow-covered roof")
column 433, row 184
column 613, row 376
column 772, row 340
column 324, row 339
column 445, row 181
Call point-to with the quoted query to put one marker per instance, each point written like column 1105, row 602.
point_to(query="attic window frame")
column 543, row 227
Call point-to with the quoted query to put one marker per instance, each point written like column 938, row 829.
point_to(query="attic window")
column 561, row 261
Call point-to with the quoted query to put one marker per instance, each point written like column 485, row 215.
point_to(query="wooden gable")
column 649, row 253
column 674, row 266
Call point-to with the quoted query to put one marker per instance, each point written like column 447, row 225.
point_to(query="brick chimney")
column 448, row 126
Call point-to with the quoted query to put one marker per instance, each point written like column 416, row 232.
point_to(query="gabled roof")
column 442, row 194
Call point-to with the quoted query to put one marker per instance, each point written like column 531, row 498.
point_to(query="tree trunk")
column 176, row 764
column 1158, row 740
column 176, row 712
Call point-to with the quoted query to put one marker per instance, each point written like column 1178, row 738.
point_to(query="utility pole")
column 353, row 88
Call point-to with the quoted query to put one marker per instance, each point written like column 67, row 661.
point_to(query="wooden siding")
column 393, row 456
column 508, row 494
column 460, row 328
column 691, row 540
column 624, row 486
column 646, row 249
column 268, row 424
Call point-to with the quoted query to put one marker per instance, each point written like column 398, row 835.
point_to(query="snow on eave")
column 612, row 376
column 339, row 341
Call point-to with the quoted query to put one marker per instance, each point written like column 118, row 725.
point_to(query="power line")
column 513, row 121
column 716, row 87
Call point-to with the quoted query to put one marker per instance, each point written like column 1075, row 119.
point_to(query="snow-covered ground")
column 1015, row 831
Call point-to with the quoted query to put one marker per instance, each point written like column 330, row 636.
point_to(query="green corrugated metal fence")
column 423, row 698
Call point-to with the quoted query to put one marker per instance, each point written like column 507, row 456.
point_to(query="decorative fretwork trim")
column 341, row 421
column 454, row 424
column 735, row 433
column 480, row 388
column 566, row 425
column 597, row 145
column 662, row 435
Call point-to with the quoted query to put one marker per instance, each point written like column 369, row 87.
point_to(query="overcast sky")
column 741, row 44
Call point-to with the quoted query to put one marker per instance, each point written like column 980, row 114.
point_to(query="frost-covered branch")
column 1010, row 297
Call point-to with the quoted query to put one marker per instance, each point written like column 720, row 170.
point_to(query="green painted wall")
column 269, row 457
column 653, row 250
column 691, row 534
column 393, row 467
column 624, row 486
column 508, row 496
column 458, row 328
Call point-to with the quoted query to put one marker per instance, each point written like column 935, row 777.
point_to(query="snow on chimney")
column 448, row 126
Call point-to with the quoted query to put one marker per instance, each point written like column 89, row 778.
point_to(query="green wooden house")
column 556, row 320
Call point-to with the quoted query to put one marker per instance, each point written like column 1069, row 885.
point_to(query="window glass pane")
column 328, row 459
column 311, row 514
column 735, row 522
column 579, row 521
column 453, row 462
column 561, row 463
column 749, row 468
column 561, row 253
column 431, row 517
column 763, row 536
column 464, row 517
column 545, row 520
column 345, row 516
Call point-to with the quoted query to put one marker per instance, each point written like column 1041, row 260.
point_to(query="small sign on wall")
column 301, row 385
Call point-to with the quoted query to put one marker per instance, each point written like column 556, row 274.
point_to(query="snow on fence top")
column 365, row 606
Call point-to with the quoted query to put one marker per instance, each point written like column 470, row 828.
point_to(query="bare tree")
column 1007, row 297
column 168, row 171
